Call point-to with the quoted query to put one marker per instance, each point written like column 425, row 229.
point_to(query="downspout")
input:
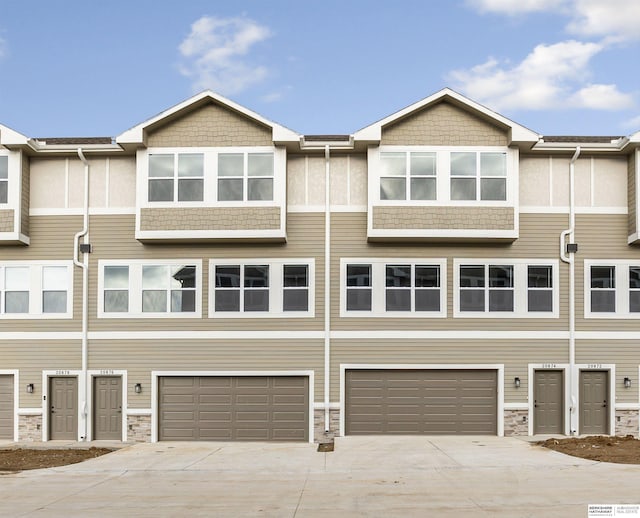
column 570, row 259
column 327, row 286
column 84, row 265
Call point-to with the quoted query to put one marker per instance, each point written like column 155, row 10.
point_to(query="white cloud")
column 550, row 77
column 517, row 7
column 215, row 54
column 616, row 20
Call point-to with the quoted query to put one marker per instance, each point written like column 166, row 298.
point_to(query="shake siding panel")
column 539, row 235
column 514, row 355
column 112, row 238
column 140, row 357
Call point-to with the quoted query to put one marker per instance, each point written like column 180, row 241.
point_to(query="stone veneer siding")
column 6, row 220
column 209, row 218
column 443, row 125
column 449, row 218
column 627, row 422
column 631, row 194
column 516, row 422
column 139, row 428
column 211, row 125
column 30, row 428
column 319, row 435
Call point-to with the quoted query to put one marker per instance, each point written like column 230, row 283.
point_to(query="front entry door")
column 107, row 408
column 548, row 407
column 63, row 408
column 594, row 402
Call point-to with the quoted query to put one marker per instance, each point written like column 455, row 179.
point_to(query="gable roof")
column 135, row 135
column 517, row 132
column 9, row 137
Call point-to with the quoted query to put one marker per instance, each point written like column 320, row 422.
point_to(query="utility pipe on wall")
column 84, row 265
column 327, row 286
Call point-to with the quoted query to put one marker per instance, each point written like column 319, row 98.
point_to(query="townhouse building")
column 211, row 275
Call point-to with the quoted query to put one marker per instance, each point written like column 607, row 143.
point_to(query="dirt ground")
column 19, row 459
column 622, row 450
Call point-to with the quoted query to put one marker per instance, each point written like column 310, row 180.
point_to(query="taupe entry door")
column 594, row 402
column 548, row 407
column 63, row 408
column 107, row 408
column 6, row 407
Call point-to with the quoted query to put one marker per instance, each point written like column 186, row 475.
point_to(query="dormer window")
column 176, row 177
column 4, row 179
column 245, row 177
column 407, row 176
column 478, row 176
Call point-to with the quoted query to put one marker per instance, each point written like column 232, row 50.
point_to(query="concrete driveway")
column 382, row 476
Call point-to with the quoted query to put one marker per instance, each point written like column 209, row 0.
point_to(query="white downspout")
column 570, row 259
column 327, row 287
column 84, row 264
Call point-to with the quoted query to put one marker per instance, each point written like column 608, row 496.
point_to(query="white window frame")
column 210, row 181
column 443, row 175
column 135, row 288
column 621, row 289
column 36, row 290
column 408, row 176
column 378, row 287
column 5, row 180
column 520, row 288
column 276, row 287
column 175, row 178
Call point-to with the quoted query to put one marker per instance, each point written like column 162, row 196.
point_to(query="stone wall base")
column 318, row 425
column 30, row 428
column 627, row 422
column 516, row 422
column 139, row 428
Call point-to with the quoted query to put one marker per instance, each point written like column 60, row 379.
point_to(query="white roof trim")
column 135, row 134
column 9, row 137
column 518, row 132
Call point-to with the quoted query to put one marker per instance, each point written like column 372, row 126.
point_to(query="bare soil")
column 19, row 459
column 622, row 450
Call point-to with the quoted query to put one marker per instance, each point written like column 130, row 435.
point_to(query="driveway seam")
column 304, row 486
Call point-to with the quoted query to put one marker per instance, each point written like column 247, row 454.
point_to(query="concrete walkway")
column 364, row 476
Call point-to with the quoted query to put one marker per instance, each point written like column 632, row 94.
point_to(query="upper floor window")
column 245, row 176
column 149, row 289
column 36, row 290
column 478, row 176
column 176, row 177
column 517, row 288
column 408, row 176
column 4, row 179
column 251, row 289
column 612, row 289
column 392, row 287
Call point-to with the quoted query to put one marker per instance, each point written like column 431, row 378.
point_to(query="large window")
column 176, row 177
column 36, row 290
column 4, row 179
column 408, row 176
column 513, row 288
column 268, row 288
column 149, row 289
column 245, row 176
column 478, row 176
column 612, row 289
column 393, row 287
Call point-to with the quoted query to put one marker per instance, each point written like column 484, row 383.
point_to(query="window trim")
column 135, row 288
column 621, row 290
column 36, row 290
column 520, row 288
column 276, row 287
column 378, row 286
column 6, row 180
column 175, row 177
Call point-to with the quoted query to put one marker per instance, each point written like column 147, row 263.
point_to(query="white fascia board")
column 135, row 135
column 519, row 133
column 9, row 137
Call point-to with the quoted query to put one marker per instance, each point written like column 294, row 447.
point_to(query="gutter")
column 84, row 265
column 569, row 257
column 327, row 286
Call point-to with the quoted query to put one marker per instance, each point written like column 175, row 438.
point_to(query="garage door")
column 233, row 408
column 421, row 402
column 6, row 407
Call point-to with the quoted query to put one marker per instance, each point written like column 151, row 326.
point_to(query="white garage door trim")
column 499, row 367
column 155, row 375
column 16, row 398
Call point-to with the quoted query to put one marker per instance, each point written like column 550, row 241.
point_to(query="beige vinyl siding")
column 632, row 216
column 601, row 236
column 51, row 239
column 112, row 238
column 24, row 196
column 515, row 355
column 31, row 357
column 539, row 234
column 625, row 354
column 140, row 357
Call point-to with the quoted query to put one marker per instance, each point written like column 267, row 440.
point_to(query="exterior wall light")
column 137, row 388
column 29, row 388
column 627, row 382
column 516, row 382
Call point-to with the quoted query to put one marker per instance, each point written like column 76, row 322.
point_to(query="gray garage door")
column 233, row 408
column 6, row 407
column 421, row 402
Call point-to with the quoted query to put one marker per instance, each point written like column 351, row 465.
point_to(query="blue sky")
column 76, row 68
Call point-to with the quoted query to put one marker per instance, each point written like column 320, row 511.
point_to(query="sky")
column 79, row 68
